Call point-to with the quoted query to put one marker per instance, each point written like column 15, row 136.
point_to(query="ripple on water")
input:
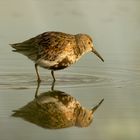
column 109, row 77
column 25, row 81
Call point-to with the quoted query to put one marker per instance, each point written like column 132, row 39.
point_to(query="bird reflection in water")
column 56, row 109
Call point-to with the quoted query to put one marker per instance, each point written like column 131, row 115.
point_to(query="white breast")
column 46, row 64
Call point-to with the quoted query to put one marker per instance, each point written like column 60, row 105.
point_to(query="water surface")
column 115, row 28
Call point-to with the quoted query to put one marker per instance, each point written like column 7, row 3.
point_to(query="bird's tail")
column 25, row 49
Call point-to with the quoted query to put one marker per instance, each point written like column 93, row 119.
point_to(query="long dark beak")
column 94, row 51
column 95, row 108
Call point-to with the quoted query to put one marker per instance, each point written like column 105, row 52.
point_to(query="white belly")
column 46, row 63
column 59, row 61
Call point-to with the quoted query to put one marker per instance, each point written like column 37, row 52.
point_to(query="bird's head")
column 87, row 43
column 85, row 116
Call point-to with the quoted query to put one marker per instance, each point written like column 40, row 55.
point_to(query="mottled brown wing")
column 51, row 44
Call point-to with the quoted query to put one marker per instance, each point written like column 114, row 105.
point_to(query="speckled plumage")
column 56, row 109
column 55, row 50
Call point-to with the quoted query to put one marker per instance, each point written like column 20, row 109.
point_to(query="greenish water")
column 115, row 28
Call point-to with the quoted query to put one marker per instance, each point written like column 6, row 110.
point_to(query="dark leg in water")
column 37, row 73
column 37, row 88
column 52, row 72
column 53, row 84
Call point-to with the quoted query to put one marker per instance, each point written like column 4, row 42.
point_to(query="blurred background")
column 114, row 26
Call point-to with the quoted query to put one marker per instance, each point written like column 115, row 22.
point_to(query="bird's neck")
column 80, row 47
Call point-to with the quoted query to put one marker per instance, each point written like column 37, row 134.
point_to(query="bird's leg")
column 52, row 72
column 37, row 88
column 53, row 84
column 37, row 73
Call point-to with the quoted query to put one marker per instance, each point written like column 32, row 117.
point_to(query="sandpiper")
column 56, row 109
column 55, row 50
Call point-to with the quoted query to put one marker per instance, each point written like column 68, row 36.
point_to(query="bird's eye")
column 89, row 43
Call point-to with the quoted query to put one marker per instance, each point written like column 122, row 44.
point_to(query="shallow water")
column 115, row 27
